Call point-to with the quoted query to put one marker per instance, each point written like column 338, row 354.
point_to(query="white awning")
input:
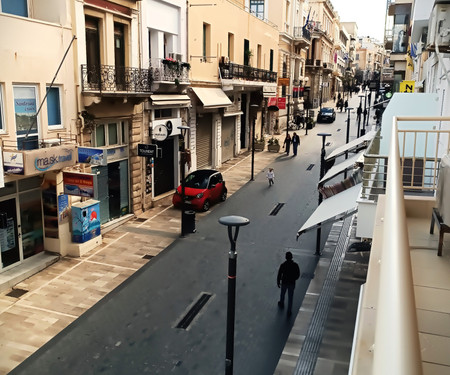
column 229, row 114
column 351, row 145
column 341, row 167
column 168, row 100
column 334, row 208
column 212, row 97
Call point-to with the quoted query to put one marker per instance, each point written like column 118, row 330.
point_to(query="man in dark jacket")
column 288, row 273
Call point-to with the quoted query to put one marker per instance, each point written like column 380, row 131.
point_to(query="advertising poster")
column 25, row 109
column 63, row 208
column 94, row 156
column 13, row 162
column 399, row 39
column 80, row 184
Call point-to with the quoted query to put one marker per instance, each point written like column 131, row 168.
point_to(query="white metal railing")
column 420, row 155
column 397, row 346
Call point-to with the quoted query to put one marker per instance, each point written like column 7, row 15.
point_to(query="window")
column 111, row 134
column 54, row 107
column 206, row 41
column 163, row 113
column 25, row 105
column 16, row 7
column 231, row 46
column 2, row 120
column 257, row 8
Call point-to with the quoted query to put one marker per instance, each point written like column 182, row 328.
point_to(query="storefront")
column 29, row 212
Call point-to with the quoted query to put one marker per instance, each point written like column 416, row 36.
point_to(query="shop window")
column 111, row 134
column 16, row 7
column 163, row 113
column 2, row 120
column 54, row 107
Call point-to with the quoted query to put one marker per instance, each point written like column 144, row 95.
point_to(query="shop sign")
column 46, row 159
column 147, row 150
column 79, row 184
column 117, row 153
column 93, row 156
column 281, row 103
column 407, row 86
column 13, row 162
column 160, row 133
column 171, row 125
column 283, row 81
column 272, row 101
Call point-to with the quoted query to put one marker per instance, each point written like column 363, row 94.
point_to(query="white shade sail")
column 167, row 100
column 351, row 145
column 212, row 97
column 334, row 208
column 341, row 167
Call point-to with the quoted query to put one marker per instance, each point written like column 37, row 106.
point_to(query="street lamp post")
column 288, row 96
column 322, row 173
column 365, row 112
column 231, row 222
column 254, row 106
column 347, row 136
column 183, row 132
column 359, row 115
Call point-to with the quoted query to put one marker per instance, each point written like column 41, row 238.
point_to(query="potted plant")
column 259, row 144
column 273, row 145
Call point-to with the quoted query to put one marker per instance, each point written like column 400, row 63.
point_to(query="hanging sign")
column 80, row 184
column 160, row 133
column 147, row 150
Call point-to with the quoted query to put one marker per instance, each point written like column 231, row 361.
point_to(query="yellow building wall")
column 224, row 18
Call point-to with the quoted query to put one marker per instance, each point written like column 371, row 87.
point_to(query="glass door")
column 9, row 233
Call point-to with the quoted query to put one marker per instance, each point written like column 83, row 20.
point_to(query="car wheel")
column 206, row 205
column 223, row 196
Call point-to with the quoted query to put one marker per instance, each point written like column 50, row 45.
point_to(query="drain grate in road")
column 276, row 209
column 193, row 311
column 17, row 293
column 311, row 166
column 147, row 256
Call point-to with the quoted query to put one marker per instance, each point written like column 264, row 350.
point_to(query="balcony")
column 302, row 36
column 109, row 79
column 236, row 71
column 169, row 71
column 313, row 63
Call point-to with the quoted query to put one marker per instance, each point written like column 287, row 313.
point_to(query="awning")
column 334, row 208
column 351, row 145
column 228, row 114
column 167, row 100
column 212, row 97
column 341, row 167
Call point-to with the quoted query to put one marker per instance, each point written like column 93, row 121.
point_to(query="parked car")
column 326, row 114
column 202, row 188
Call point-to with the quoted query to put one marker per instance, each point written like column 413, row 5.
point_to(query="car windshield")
column 327, row 110
column 197, row 181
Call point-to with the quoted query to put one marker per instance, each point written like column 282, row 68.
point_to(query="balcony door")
column 93, row 51
column 119, row 55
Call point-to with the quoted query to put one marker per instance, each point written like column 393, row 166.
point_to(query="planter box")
column 259, row 146
column 273, row 148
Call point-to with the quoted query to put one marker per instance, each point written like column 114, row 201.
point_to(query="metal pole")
column 183, row 190
column 253, row 148
column 231, row 222
column 347, row 136
column 322, row 173
column 288, row 114
column 231, row 307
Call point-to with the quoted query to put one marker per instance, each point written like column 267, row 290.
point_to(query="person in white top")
column 271, row 176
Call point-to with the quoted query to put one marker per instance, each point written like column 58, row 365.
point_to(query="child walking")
column 271, row 176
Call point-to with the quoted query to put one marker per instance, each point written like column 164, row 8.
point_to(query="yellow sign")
column 407, row 86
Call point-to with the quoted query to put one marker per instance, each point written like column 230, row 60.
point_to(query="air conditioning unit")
column 439, row 27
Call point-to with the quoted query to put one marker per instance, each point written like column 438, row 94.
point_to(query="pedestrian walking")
column 287, row 143
column 288, row 274
column 295, row 143
column 358, row 113
column 271, row 176
column 340, row 104
column 346, row 104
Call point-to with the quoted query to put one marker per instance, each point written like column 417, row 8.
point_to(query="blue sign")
column 95, row 156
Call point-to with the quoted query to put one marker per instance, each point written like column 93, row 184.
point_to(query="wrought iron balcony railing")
column 233, row 71
column 111, row 78
column 169, row 70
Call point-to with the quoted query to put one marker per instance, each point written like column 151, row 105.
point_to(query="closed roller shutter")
column 204, row 141
column 228, row 138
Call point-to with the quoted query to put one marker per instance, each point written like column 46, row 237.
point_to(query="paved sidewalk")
column 44, row 304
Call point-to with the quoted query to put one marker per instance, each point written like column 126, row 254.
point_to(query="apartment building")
column 38, row 126
column 232, row 52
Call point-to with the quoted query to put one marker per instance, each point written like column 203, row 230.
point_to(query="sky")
column 369, row 15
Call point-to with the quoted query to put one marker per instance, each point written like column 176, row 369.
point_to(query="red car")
column 202, row 188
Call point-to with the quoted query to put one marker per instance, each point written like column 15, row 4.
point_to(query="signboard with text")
column 79, row 184
column 282, row 103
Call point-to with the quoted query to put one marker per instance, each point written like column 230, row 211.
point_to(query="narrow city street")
column 133, row 329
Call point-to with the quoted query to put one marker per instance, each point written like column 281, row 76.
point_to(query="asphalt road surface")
column 133, row 329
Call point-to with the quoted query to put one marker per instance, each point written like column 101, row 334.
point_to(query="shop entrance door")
column 9, row 233
column 114, row 190
column 164, row 168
